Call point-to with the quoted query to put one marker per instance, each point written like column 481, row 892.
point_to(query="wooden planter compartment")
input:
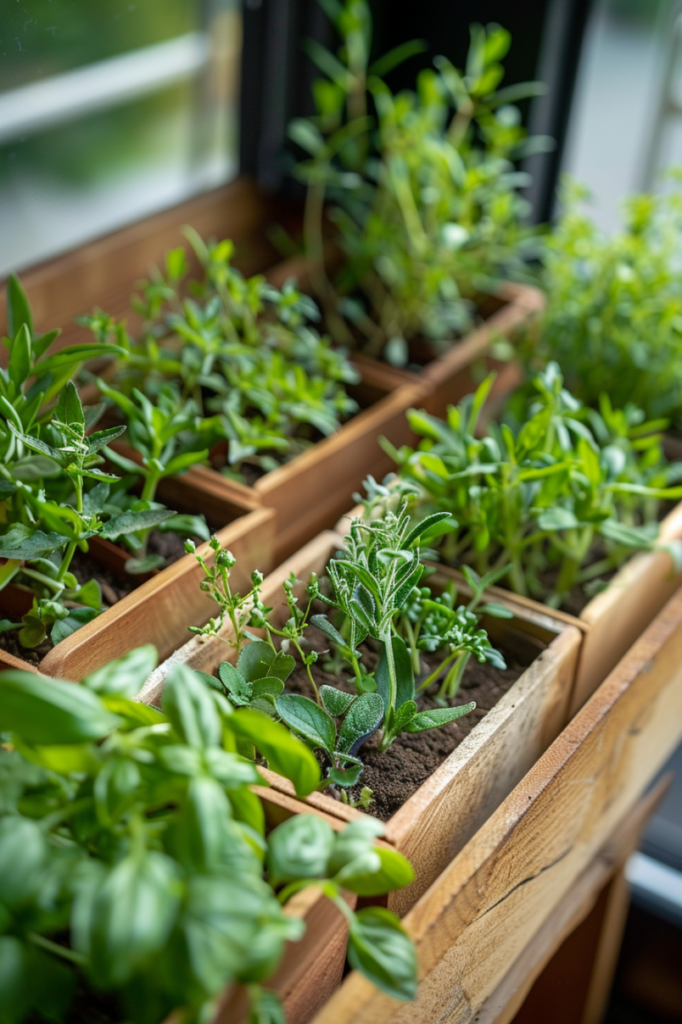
column 448, row 808
column 447, row 378
column 613, row 620
column 310, row 492
column 160, row 610
column 483, row 921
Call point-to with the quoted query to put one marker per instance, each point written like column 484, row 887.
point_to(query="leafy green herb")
column 374, row 585
column 614, row 304
column 238, row 363
column 555, row 496
column 134, row 859
column 429, row 211
column 54, row 495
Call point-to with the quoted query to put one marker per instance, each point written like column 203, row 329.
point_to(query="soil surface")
column 394, row 775
column 114, row 586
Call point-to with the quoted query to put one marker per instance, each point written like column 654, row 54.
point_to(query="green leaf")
column 265, row 1007
column 437, row 716
column 336, row 702
column 18, row 308
column 16, row 985
column 424, row 525
column 629, row 536
column 306, row 717
column 76, row 618
column 404, row 674
column 271, row 686
column 191, row 708
column 323, row 623
column 126, row 675
column 35, row 444
column 395, row 872
column 347, row 777
column 19, row 366
column 23, row 858
column 187, row 526
column 255, row 660
column 557, row 519
column 35, row 467
column 285, row 754
column 132, row 522
column 185, row 461
column 69, row 408
column 130, row 914
column 380, row 949
column 51, row 712
column 403, row 716
column 102, row 438
column 363, row 718
column 299, row 848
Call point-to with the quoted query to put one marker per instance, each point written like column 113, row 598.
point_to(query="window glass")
column 110, row 110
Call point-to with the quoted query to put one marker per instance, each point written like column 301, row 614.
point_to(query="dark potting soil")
column 394, row 775
column 114, row 586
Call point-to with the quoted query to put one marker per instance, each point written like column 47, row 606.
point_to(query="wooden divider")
column 487, row 907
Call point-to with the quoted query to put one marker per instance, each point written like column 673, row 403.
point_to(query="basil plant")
column 137, row 875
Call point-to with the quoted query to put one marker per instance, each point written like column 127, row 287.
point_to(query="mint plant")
column 43, row 532
column 243, row 363
column 614, row 303
column 428, row 209
column 554, row 496
column 135, row 862
column 55, row 495
column 374, row 586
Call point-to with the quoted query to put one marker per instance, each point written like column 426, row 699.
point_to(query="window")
column 110, row 110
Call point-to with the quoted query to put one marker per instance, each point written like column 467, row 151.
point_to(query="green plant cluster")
column 554, row 496
column 225, row 359
column 429, row 211
column 614, row 304
column 373, row 586
column 135, row 864
column 55, row 497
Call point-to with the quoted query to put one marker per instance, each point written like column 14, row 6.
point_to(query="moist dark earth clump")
column 114, row 586
column 397, row 773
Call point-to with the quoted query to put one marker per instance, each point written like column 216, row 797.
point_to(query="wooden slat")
column 443, row 814
column 503, row 1005
column 161, row 610
column 104, row 272
column 476, row 920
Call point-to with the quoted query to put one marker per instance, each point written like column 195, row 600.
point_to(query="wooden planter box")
column 310, row 492
column 482, row 924
column 448, row 378
column 162, row 608
column 615, row 618
column 443, row 814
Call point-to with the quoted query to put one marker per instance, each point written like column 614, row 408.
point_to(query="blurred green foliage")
column 614, row 313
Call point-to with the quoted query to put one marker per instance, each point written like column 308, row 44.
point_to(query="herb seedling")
column 374, row 584
column 429, row 211
column 555, row 488
column 614, row 303
column 242, row 359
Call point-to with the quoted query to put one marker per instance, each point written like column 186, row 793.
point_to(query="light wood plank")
column 480, row 915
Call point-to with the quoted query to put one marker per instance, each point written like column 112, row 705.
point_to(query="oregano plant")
column 374, row 588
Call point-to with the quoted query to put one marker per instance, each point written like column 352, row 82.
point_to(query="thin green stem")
column 61, row 951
